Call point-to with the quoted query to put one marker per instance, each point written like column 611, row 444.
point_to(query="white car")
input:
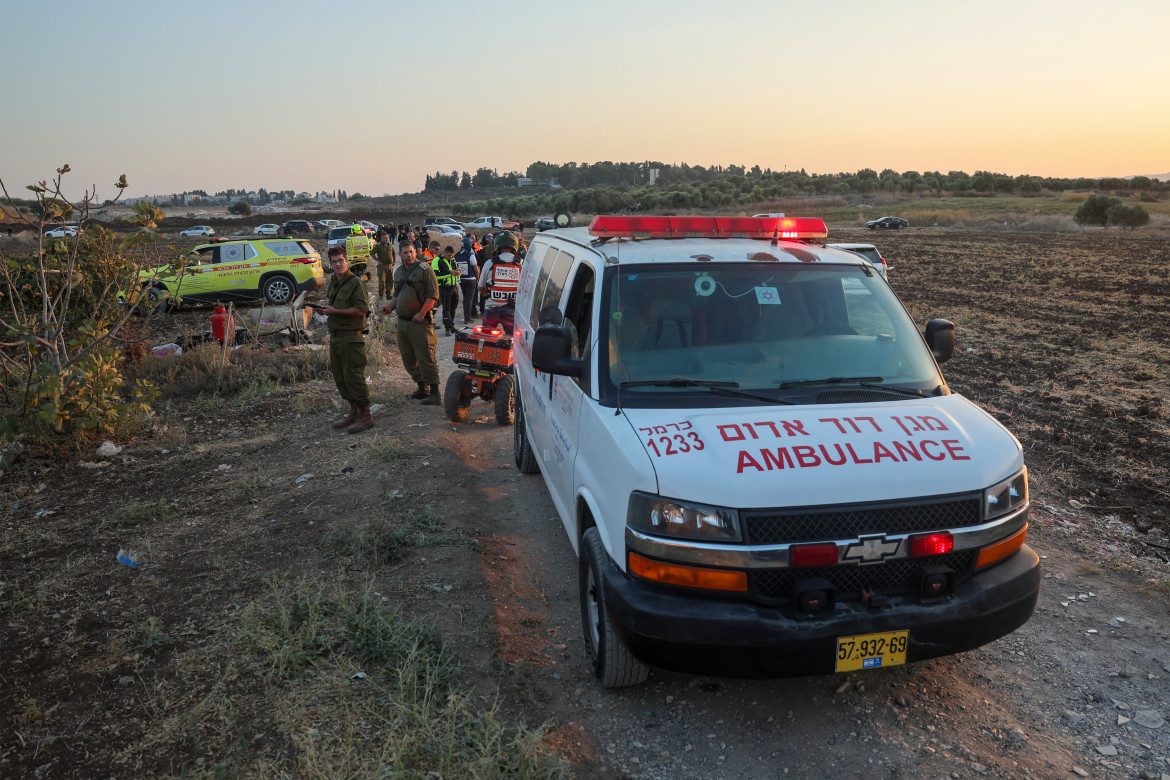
column 446, row 230
column 328, row 224
column 490, row 223
column 754, row 454
column 197, row 230
column 369, row 227
column 63, row 231
column 266, row 230
column 869, row 252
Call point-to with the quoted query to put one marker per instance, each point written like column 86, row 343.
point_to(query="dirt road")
column 1060, row 694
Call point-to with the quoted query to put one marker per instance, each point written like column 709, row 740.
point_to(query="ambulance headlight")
column 659, row 516
column 1007, row 496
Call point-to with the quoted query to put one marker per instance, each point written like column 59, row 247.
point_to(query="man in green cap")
column 347, row 310
column 413, row 299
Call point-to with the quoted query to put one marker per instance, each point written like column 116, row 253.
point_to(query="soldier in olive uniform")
column 347, row 310
column 415, row 292
column 384, row 255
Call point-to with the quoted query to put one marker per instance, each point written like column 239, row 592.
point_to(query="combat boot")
column 345, row 422
column 420, row 393
column 364, row 421
column 433, row 398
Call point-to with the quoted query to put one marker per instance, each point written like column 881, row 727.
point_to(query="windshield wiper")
column 895, row 389
column 833, row 380
column 727, row 388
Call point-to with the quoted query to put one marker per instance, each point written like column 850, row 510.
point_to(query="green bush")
column 241, row 207
column 1094, row 210
column 1128, row 217
column 61, row 350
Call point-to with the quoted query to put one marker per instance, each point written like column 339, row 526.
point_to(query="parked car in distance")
column 774, row 215
column 62, row 231
column 442, row 221
column 337, row 236
column 328, row 224
column 545, row 223
column 887, row 223
column 294, row 226
column 275, row 269
column 197, row 230
column 369, row 227
column 266, row 230
column 449, row 230
column 491, row 223
column 869, row 252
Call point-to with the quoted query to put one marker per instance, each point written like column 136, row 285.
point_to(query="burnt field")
column 1066, row 339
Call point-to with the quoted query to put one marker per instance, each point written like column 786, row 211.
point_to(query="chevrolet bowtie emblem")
column 871, row 549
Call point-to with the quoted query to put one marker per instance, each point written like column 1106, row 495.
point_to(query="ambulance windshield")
column 775, row 328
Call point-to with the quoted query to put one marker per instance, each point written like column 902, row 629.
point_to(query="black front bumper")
column 697, row 635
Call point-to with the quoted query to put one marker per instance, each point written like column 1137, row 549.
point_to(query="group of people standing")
column 425, row 277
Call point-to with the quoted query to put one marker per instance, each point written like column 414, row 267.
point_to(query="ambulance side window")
column 542, row 282
column 579, row 317
column 556, row 280
column 208, row 256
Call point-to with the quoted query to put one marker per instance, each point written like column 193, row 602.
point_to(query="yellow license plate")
column 870, row 651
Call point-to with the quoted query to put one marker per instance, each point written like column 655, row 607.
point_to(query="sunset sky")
column 371, row 96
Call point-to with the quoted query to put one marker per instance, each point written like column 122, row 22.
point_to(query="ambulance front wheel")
column 457, row 396
column 613, row 664
column 505, row 400
column 522, row 451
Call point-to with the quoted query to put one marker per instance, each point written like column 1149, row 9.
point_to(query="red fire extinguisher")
column 222, row 324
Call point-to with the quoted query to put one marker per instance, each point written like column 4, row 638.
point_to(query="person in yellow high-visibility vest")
column 357, row 249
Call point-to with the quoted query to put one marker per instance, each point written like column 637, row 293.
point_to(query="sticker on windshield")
column 767, row 295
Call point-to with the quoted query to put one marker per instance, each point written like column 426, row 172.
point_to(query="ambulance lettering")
column 835, row 454
column 673, row 439
column 756, row 430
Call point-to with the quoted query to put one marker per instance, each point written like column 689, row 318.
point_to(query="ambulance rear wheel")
column 522, row 448
column 613, row 664
column 505, row 400
column 457, row 397
column 279, row 290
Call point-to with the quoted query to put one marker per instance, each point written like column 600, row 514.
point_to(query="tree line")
column 785, row 183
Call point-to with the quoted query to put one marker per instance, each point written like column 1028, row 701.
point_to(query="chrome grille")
column 850, row 521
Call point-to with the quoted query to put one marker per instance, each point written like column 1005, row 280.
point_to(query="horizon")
column 181, row 98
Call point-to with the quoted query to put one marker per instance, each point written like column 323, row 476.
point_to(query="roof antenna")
column 776, row 233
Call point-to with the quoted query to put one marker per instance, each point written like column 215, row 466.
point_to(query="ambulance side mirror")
column 940, row 338
column 551, row 349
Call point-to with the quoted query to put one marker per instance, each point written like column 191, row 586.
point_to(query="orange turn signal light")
column 1002, row 549
column 688, row 576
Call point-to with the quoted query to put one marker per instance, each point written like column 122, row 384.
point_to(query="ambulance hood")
column 771, row 456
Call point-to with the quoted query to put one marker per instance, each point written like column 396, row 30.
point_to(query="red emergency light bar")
column 618, row 226
column 480, row 329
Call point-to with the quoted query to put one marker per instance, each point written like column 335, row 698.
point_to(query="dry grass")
column 1049, row 224
column 937, row 217
column 254, row 369
column 336, row 684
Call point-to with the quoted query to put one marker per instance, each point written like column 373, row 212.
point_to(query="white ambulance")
column 755, row 456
